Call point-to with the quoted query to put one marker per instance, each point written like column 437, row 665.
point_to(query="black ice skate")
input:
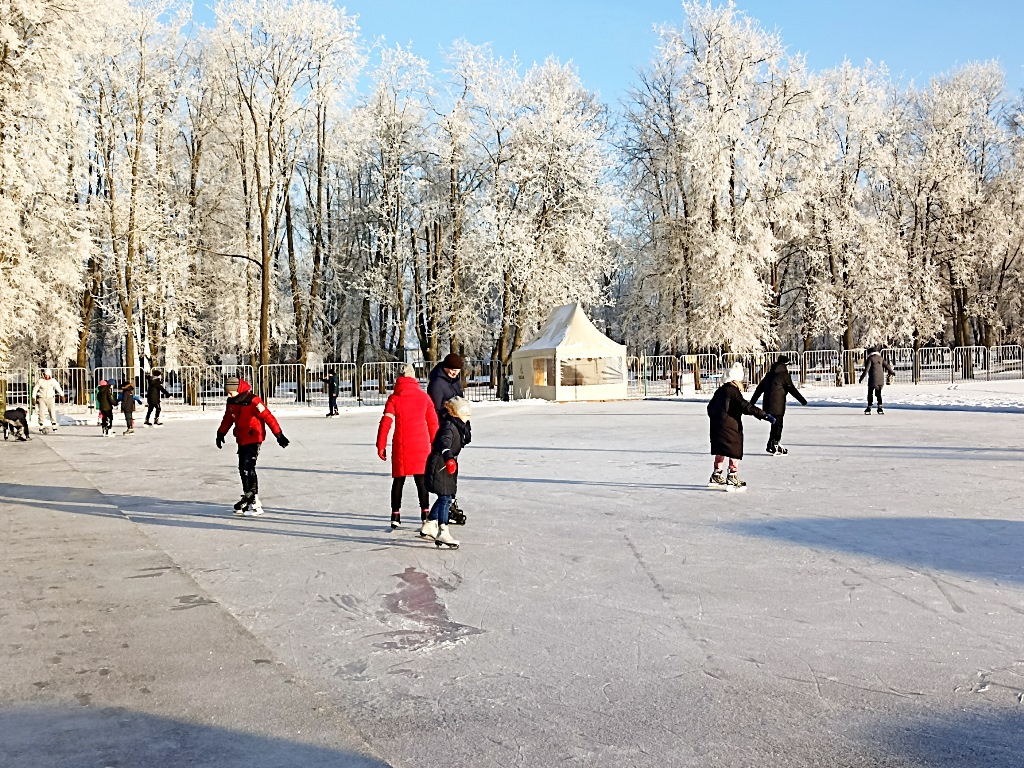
column 242, row 503
column 396, row 520
column 717, row 479
column 770, row 450
column 780, row 451
column 880, row 410
column 455, row 515
column 733, row 482
column 867, row 411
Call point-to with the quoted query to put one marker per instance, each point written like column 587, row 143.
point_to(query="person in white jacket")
column 45, row 395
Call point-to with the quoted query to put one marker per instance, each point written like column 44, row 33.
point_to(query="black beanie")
column 453, row 361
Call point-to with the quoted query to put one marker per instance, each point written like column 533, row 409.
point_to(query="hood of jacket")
column 244, row 392
column 406, row 384
column 781, row 365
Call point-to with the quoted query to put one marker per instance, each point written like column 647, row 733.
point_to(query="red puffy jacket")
column 415, row 420
column 249, row 415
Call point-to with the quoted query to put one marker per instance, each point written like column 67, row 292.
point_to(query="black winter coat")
column 128, row 399
column 726, row 410
column 105, row 398
column 452, row 436
column 875, row 368
column 443, row 388
column 333, row 386
column 775, row 385
column 154, row 389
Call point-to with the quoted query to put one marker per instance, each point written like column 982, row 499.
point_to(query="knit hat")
column 231, row 384
column 452, row 362
column 459, row 406
column 409, row 370
column 736, row 373
column 103, row 382
column 48, row 373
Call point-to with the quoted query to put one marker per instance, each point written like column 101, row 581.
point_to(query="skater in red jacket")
column 250, row 417
column 412, row 412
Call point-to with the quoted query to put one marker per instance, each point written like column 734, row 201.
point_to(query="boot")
column 770, row 449
column 241, row 504
column 445, row 538
column 396, row 520
column 780, row 451
column 733, row 481
column 717, row 478
column 254, row 508
column 880, row 410
column 867, row 410
column 429, row 529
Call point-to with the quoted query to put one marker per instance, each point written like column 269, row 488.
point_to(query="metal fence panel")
column 1006, row 362
column 77, row 390
column 700, row 371
column 934, row 364
column 213, row 378
column 822, row 367
column 634, row 377
column 282, row 383
column 970, row 363
column 660, row 375
column 185, row 385
column 17, row 388
column 377, row 381
column 481, row 380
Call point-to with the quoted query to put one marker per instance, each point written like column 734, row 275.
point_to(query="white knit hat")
column 459, row 406
column 409, row 370
column 736, row 373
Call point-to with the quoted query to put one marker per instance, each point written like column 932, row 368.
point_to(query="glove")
column 383, row 453
column 282, row 440
column 451, row 465
column 220, row 440
column 769, row 418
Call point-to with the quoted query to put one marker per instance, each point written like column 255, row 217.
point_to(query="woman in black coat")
column 775, row 385
column 726, row 411
column 442, row 470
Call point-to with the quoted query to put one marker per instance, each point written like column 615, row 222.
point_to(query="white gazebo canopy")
column 569, row 359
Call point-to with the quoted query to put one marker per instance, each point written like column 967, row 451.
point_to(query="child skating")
column 415, row 420
column 128, row 400
column 250, row 418
column 775, row 385
column 442, row 469
column 875, row 368
column 154, row 389
column 726, row 411
column 105, row 402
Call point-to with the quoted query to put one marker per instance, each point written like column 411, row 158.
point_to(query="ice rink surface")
column 862, row 604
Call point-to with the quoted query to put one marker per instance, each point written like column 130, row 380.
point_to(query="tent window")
column 590, row 371
column 543, row 372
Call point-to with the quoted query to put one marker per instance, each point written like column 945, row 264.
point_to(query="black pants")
column 398, row 483
column 247, row 455
column 128, row 418
column 877, row 392
column 107, row 419
column 332, row 404
column 151, row 408
column 775, row 436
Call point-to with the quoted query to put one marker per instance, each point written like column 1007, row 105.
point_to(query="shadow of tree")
column 976, row 739
column 62, row 737
column 984, row 548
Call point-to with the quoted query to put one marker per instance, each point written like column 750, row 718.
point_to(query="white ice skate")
column 429, row 529
column 254, row 508
column 444, row 538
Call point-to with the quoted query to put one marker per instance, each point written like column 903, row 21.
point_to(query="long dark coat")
column 449, row 441
column 155, row 388
column 726, row 411
column 775, row 385
column 875, row 368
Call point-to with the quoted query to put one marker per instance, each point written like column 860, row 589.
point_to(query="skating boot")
column 146, row 423
column 717, row 478
column 455, row 515
column 396, row 520
column 867, row 411
column 733, row 482
column 158, row 423
column 242, row 503
column 254, row 508
column 444, row 538
column 770, row 450
column 54, row 426
column 129, row 431
column 780, row 451
column 880, row 410
column 429, row 529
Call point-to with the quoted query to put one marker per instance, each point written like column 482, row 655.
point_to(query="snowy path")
column 861, row 605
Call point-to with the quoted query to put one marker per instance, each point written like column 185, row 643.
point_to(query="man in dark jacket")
column 154, row 388
column 726, row 411
column 333, row 390
column 875, row 368
column 775, row 385
column 444, row 384
column 16, row 422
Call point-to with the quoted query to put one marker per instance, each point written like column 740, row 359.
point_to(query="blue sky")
column 608, row 40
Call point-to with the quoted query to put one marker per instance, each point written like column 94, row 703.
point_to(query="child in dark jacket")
column 775, row 385
column 105, row 402
column 726, row 411
column 128, row 400
column 250, row 418
column 442, row 471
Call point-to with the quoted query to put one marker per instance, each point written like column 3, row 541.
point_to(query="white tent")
column 569, row 359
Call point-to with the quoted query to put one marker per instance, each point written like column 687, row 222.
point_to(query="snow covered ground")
column 861, row 605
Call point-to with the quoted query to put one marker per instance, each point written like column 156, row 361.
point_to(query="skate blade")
column 440, row 544
column 734, row 489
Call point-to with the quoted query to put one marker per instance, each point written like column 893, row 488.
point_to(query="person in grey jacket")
column 875, row 368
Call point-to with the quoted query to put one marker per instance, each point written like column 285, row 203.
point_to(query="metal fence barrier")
column 282, row 383
column 17, row 388
column 970, row 363
column 822, row 368
column 316, row 384
column 75, row 382
column 934, row 364
column 1006, row 362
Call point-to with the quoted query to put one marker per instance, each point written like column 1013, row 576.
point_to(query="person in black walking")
column 154, row 388
column 333, row 390
column 875, row 368
column 775, row 385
